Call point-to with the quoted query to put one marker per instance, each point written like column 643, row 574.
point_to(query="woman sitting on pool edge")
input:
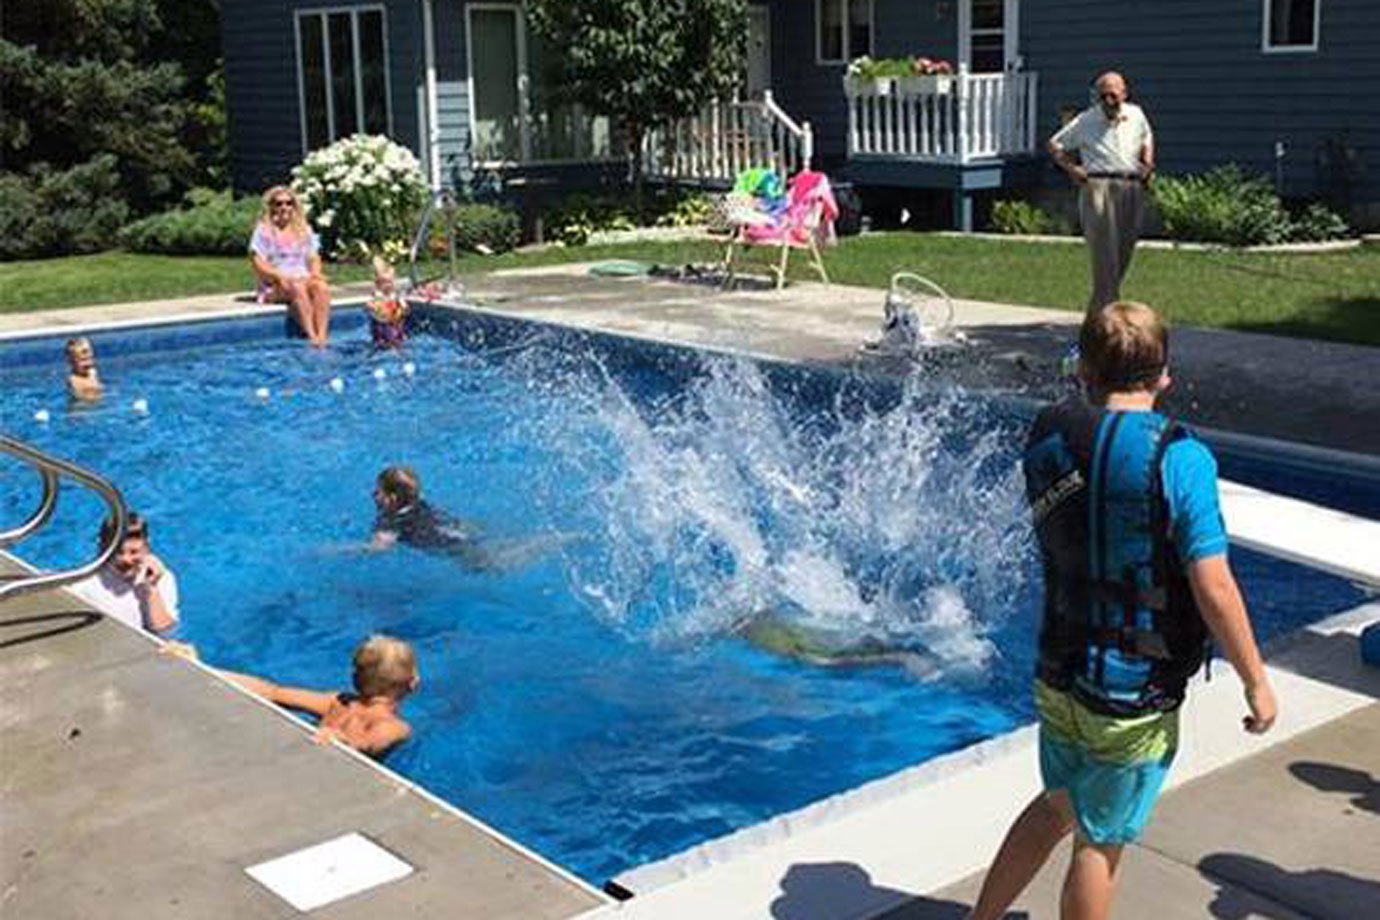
column 285, row 253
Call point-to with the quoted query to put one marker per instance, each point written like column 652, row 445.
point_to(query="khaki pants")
column 1110, row 210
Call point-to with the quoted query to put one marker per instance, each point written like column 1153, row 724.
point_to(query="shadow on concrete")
column 1334, row 659
column 1327, row 777
column 66, row 621
column 1322, row 893
column 826, row 891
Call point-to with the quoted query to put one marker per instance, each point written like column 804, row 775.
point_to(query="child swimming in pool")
column 387, row 310
column 83, row 382
column 405, row 518
column 385, row 672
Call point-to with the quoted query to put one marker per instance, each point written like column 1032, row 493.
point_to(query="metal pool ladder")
column 443, row 200
column 49, row 470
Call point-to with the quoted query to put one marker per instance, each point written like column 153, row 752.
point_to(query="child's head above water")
column 81, row 357
column 397, row 487
column 384, row 666
column 1124, row 346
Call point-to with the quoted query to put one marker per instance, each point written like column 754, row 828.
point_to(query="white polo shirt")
column 114, row 596
column 1107, row 146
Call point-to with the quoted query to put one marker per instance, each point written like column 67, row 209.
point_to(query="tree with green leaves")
column 643, row 63
column 99, row 121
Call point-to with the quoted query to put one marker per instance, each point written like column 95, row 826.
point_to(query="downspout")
column 433, row 128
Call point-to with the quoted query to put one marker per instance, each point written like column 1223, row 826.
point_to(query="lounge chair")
column 804, row 219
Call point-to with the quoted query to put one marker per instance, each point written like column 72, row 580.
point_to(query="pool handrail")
column 446, row 200
column 50, row 469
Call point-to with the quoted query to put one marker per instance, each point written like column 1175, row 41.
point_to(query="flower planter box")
column 868, row 86
column 928, row 85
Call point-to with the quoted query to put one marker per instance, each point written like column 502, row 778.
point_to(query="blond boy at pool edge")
column 385, row 672
column 1126, row 614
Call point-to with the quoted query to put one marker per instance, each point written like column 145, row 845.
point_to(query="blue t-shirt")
column 1189, row 475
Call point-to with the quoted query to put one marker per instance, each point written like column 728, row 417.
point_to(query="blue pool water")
column 589, row 698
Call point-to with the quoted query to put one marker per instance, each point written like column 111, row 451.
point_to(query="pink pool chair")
column 807, row 223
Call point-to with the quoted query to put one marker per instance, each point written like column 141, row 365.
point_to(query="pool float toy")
column 42, row 416
column 337, row 385
column 262, row 393
column 409, row 369
column 380, row 374
column 619, row 268
column 140, row 406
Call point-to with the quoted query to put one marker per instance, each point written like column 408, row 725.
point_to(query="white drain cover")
column 329, row 871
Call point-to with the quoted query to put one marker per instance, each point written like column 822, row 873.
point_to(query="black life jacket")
column 1121, row 630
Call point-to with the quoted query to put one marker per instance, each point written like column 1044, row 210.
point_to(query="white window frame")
column 1268, row 48
column 819, row 32
column 1010, row 30
column 323, row 13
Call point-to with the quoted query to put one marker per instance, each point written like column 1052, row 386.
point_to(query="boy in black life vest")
column 1125, row 509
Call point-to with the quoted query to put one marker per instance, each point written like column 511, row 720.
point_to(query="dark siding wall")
column 814, row 92
column 1212, row 95
column 257, row 40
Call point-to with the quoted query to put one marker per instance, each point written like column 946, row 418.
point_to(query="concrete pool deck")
column 1244, row 858
column 138, row 785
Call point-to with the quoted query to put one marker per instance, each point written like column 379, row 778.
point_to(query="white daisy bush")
column 362, row 194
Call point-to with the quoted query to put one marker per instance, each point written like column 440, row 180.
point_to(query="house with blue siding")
column 1280, row 87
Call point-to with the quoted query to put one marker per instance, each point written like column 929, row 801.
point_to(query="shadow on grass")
column 1355, row 320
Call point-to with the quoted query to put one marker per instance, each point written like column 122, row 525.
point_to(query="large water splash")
column 898, row 520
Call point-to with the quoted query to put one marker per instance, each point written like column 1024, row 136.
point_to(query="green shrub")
column 1318, row 222
column 478, row 227
column 581, row 214
column 363, row 195
column 687, row 210
column 212, row 223
column 1223, row 205
column 1025, row 219
column 48, row 213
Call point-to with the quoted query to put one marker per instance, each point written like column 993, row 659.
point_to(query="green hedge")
column 1025, row 219
column 48, row 213
column 478, row 227
column 211, row 224
column 1226, row 205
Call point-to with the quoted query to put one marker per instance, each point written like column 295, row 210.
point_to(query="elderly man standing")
column 1116, row 156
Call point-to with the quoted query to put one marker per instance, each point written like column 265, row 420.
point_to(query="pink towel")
column 811, row 199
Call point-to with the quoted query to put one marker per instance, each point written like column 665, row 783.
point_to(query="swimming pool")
column 590, row 698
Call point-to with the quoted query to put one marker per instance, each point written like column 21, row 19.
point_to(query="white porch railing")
column 943, row 119
column 727, row 138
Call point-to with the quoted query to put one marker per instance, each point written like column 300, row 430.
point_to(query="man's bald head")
column 1111, row 92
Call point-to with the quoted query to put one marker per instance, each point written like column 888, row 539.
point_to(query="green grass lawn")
column 1328, row 295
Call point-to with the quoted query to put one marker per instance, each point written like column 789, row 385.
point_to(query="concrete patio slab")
column 138, row 785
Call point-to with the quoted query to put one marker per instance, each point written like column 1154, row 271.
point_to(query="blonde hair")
column 1124, row 346
column 80, row 343
column 383, row 269
column 400, row 482
column 384, row 666
column 298, row 224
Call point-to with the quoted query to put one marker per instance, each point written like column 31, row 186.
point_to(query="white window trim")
column 524, row 105
column 819, row 32
column 1268, row 48
column 1010, row 32
column 323, row 12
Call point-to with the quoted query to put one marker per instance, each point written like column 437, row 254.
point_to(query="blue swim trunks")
column 1112, row 769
